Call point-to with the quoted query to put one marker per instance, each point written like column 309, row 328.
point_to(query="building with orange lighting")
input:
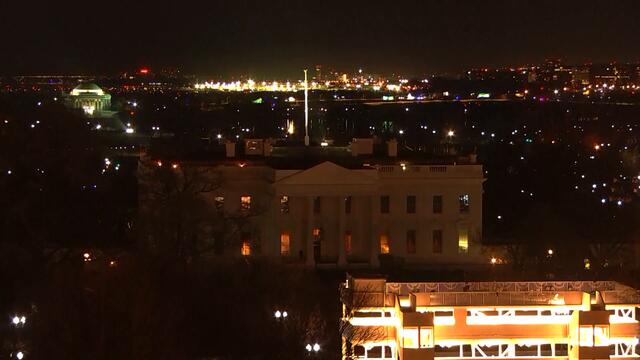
column 500, row 320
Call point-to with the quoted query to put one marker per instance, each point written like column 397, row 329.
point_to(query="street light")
column 19, row 355
column 315, row 347
column 19, row 320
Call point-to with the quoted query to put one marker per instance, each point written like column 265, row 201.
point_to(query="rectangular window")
column 601, row 335
column 384, row 204
column 285, row 244
column 463, row 201
column 437, row 241
column 586, row 335
column 411, row 242
column 347, row 242
column 410, row 338
column 463, row 241
column 219, row 202
column 426, row 337
column 411, row 204
column 284, row 204
column 437, row 204
column 246, row 244
column 347, row 205
column 245, row 203
column 317, row 205
column 384, row 244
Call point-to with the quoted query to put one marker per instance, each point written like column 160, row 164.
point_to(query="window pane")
column 463, row 241
column 586, row 335
column 437, row 241
column 246, row 244
column 347, row 242
column 219, row 202
column 245, row 203
column 437, row 204
column 410, row 338
column 384, row 204
column 411, row 242
column 317, row 205
column 426, row 337
column 384, row 244
column 284, row 204
column 601, row 335
column 411, row 204
column 463, row 201
column 284, row 244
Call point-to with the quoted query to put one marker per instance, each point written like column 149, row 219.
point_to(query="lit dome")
column 87, row 88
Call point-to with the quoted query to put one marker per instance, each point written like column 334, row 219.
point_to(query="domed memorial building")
column 89, row 98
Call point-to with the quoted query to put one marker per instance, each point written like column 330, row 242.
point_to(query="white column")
column 310, row 260
column 375, row 236
column 342, row 258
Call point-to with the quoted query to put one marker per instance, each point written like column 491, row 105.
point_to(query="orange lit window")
column 410, row 338
column 347, row 242
column 384, row 244
column 316, row 232
column 245, row 203
column 601, row 335
column 246, row 248
column 285, row 243
column 426, row 337
column 586, row 335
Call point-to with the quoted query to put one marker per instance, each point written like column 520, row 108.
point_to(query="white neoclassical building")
column 330, row 215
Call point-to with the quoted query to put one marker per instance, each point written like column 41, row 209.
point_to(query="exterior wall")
column 333, row 184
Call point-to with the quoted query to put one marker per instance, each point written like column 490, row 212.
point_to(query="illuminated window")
column 219, row 202
column 463, row 241
column 437, row 204
column 347, row 205
column 285, row 244
column 317, row 205
column 586, row 335
column 411, row 204
column 463, row 201
column 437, row 241
column 384, row 204
column 284, row 204
column 347, row 242
column 246, row 244
column 245, row 203
column 426, row 337
column 411, row 242
column 384, row 244
column 410, row 338
column 316, row 232
column 601, row 335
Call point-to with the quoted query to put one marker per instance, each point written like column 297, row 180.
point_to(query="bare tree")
column 353, row 300
column 177, row 215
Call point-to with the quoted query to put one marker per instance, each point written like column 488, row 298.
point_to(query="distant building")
column 497, row 320
column 89, row 98
column 352, row 216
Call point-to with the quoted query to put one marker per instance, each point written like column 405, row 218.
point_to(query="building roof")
column 87, row 88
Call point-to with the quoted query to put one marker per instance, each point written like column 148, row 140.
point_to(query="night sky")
column 277, row 38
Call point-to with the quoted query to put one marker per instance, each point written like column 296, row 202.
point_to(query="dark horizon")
column 279, row 38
